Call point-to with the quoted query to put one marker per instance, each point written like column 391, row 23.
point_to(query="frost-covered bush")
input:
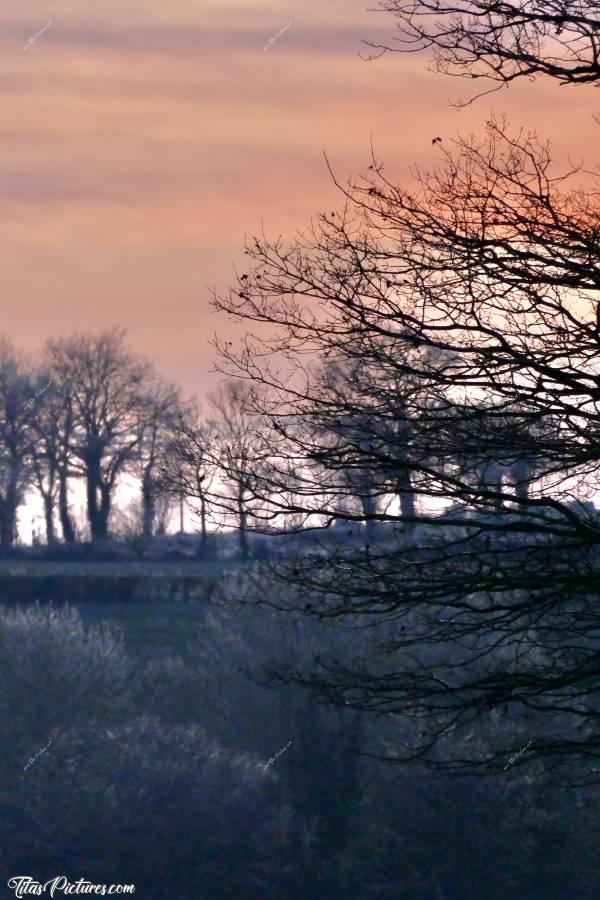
column 95, row 784
column 147, row 770
column 162, row 807
column 171, row 688
column 55, row 672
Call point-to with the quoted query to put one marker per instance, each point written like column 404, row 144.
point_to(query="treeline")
column 93, row 412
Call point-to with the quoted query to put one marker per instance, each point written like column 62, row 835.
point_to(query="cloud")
column 189, row 40
column 143, row 140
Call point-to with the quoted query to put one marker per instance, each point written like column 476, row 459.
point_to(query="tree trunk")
column 104, row 511
column 491, row 480
column 92, row 505
column 406, row 495
column 49, row 518
column 8, row 514
column 7, row 525
column 243, row 516
column 63, row 510
column 97, row 512
column 369, row 508
column 148, row 510
column 521, row 471
column 204, row 535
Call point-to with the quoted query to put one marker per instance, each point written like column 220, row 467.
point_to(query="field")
column 107, row 582
column 152, row 627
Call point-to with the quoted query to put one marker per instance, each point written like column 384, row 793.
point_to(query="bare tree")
column 481, row 287
column 51, row 455
column 368, row 398
column 17, row 404
column 220, row 462
column 189, row 468
column 106, row 385
column 158, row 414
column 502, row 41
column 44, row 461
column 236, row 452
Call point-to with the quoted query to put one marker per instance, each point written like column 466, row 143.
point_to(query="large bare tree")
column 481, row 287
column 51, row 453
column 106, row 385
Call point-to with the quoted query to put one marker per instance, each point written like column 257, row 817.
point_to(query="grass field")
column 151, row 627
column 156, row 625
column 104, row 569
column 109, row 582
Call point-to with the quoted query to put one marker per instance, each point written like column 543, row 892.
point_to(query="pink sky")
column 141, row 142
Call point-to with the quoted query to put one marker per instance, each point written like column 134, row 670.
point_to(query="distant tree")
column 106, row 386
column 374, row 433
column 347, row 443
column 220, row 462
column 45, row 469
column 497, row 448
column 158, row 414
column 51, row 455
column 237, row 451
column 189, row 469
column 17, row 405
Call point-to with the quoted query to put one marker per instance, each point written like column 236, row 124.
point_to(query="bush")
column 162, row 807
column 55, row 673
column 94, row 787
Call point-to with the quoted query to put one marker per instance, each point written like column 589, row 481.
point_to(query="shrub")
column 55, row 672
column 162, row 807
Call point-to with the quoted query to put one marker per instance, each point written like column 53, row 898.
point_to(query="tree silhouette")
column 500, row 41
column 477, row 292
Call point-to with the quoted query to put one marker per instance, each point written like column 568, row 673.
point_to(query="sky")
column 142, row 141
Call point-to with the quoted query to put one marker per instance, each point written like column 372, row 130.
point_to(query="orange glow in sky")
column 142, row 141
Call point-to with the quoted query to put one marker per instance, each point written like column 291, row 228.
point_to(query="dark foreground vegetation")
column 161, row 772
